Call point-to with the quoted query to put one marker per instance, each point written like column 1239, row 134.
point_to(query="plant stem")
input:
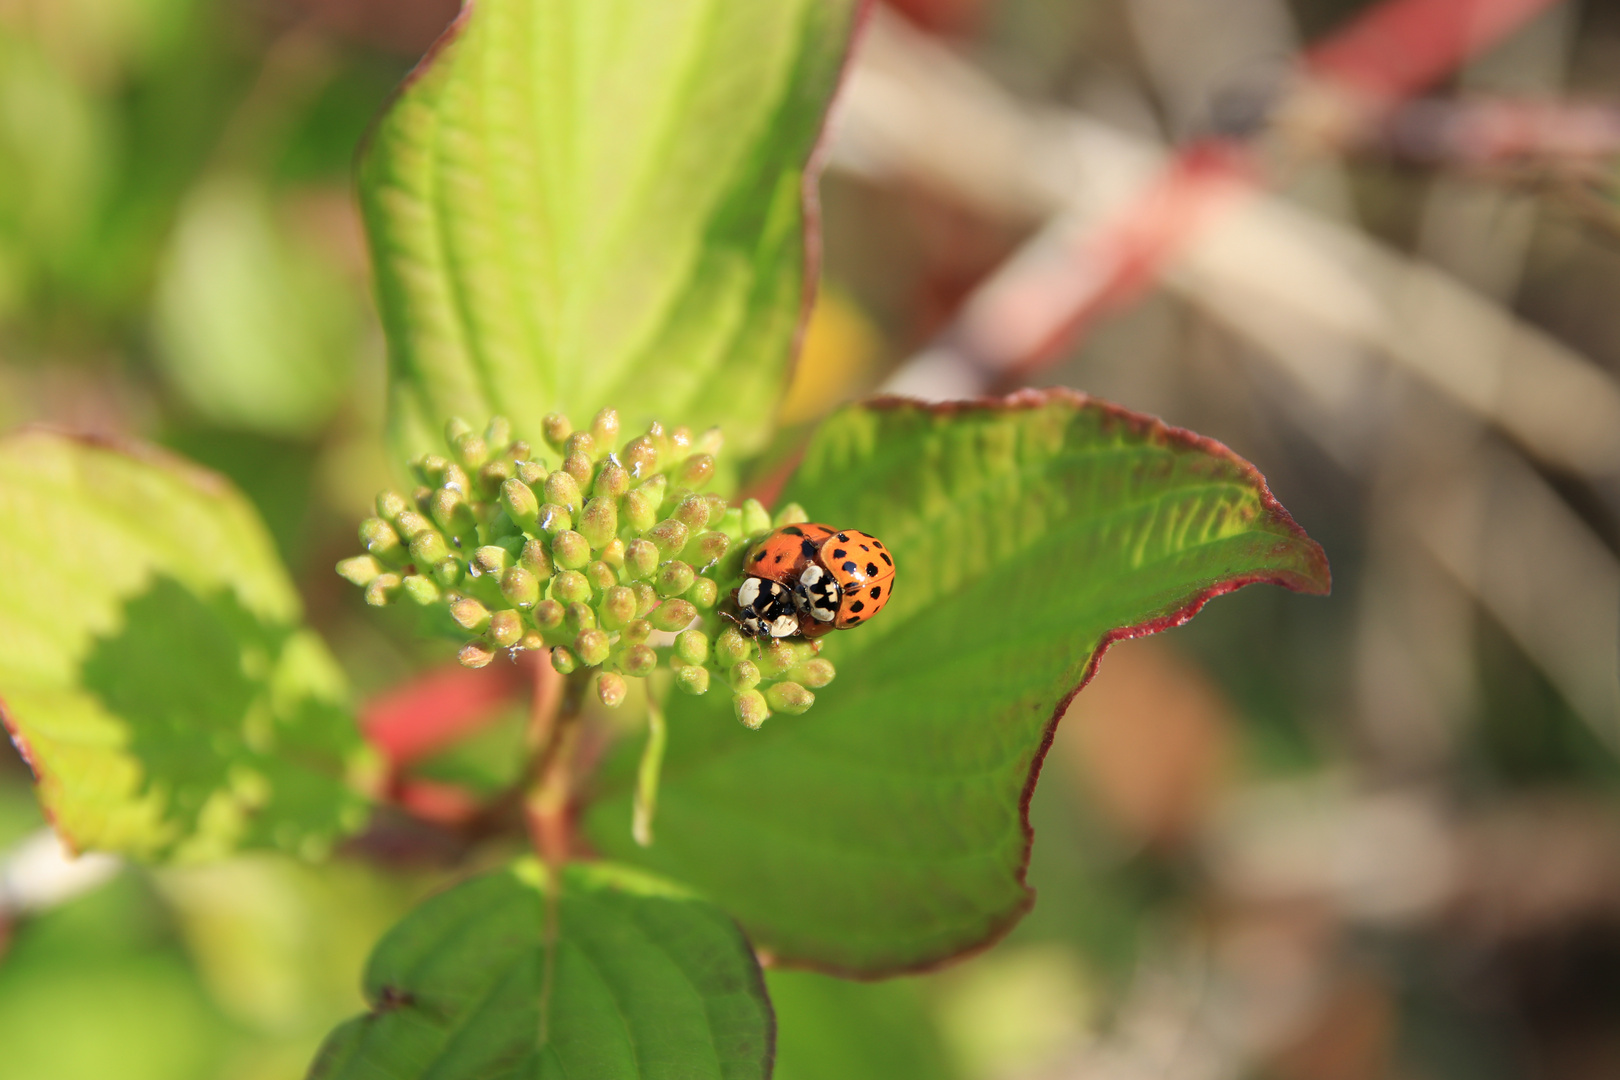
column 647, row 774
column 547, row 802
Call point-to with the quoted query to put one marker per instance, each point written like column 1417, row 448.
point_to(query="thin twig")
column 652, row 764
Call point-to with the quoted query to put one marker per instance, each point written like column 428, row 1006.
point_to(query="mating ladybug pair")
column 808, row 579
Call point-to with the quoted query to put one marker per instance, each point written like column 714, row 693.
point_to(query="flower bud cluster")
column 615, row 561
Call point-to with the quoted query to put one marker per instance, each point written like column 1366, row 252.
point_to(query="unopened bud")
column 571, row 587
column 613, row 553
column 498, row 432
column 693, row 512
column 493, row 475
column 536, row 560
column 755, row 518
column 557, row 429
column 600, row 521
column 704, row 592
column 470, row 614
column 710, row 442
column 379, row 538
column 601, row 576
column 506, row 628
column 592, row 647
column 565, row 662
column 695, row 471
column 491, row 559
column 532, row 473
column 674, row 578
column 580, row 442
column 455, row 478
column 636, row 631
column 580, row 467
column 381, row 589
column 618, row 607
column 751, row 708
column 428, row 548
column 731, row 648
column 359, row 570
column 692, row 646
column 641, row 559
column 532, row 640
column 563, row 489
column 646, row 597
column 429, row 469
column 814, row 673
column 605, row 427
column 789, row 697
column 447, row 572
column 450, row 510
column 422, row 590
column 670, row 536
column 639, row 660
column 611, row 689
column 520, row 587
column 612, row 481
column 580, row 617
column 455, row 428
column 709, row 548
column 777, row 655
column 680, row 442
column 745, row 675
column 547, row 614
column 570, row 550
column 555, row 519
column 475, row 654
column 791, row 514
column 471, row 451
column 641, row 509
column 390, row 504
column 693, row 679
column 673, row 615
column 412, row 524
column 640, row 457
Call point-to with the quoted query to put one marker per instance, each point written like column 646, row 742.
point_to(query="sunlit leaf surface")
column 581, row 203
column 643, row 982
column 153, row 667
column 886, row 829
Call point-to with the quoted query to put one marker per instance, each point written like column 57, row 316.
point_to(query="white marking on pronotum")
column 748, row 592
column 784, row 625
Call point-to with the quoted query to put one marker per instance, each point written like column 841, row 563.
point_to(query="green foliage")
column 606, row 974
column 153, row 666
column 834, row 1028
column 580, row 202
column 889, row 831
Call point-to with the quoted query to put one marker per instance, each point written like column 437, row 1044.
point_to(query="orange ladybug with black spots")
column 837, row 579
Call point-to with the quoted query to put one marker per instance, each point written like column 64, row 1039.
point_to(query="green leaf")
column 639, row 980
column 582, row 203
column 887, row 829
column 153, row 668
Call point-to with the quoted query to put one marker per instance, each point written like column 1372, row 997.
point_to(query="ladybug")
column 829, row 579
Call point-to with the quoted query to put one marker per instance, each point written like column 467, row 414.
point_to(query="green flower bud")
column 379, row 538
column 563, row 489
column 580, row 467
column 491, row 559
column 605, row 427
column 692, row 646
column 532, row 640
column 731, row 648
column 498, row 432
column 518, row 499
column 693, row 679
column 428, row 548
column 471, row 451
column 555, row 519
column 548, row 614
column 592, row 647
column 814, row 673
column 411, row 525
column 640, row 457
column 709, row 548
column 456, row 477
column 520, row 587
column 791, row 514
column 745, row 675
column 670, row 536
column 710, row 442
column 751, row 708
column 570, row 550
column 557, row 428
column 674, row 578
column 580, row 442
column 447, row 572
column 516, row 451
column 470, row 614
column 493, row 475
column 639, row 660
column 618, row 607
column 755, row 518
column 695, row 471
column 777, row 655
column 613, row 553
column 600, row 521
column 641, row 509
column 506, row 628
column 390, row 504
column 475, row 654
column 612, row 481
column 536, row 560
column 611, row 689
column 789, row 697
column 646, row 597
column 580, row 617
column 704, row 593
column 429, row 469
column 564, row 661
column 641, row 559
column 693, row 512
column 636, row 631
column 571, row 587
column 381, row 589
column 656, row 486
column 601, row 576
column 422, row 590
column 455, row 428
column 360, row 570
column 673, row 614
column 532, row 473
column 421, row 501
column 449, row 508
column 680, row 442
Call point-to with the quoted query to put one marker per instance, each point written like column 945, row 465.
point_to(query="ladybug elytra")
column 808, row 579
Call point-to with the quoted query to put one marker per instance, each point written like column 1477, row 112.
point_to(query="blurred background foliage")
column 1376, row 836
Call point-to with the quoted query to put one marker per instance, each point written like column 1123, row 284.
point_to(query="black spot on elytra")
column 850, row 568
column 865, row 548
column 871, row 569
column 843, row 538
column 878, row 544
column 793, row 530
column 808, row 549
column 852, row 588
column 888, row 560
column 840, row 553
column 760, row 556
column 877, row 591
column 778, row 557
column 859, row 605
column 853, row 619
